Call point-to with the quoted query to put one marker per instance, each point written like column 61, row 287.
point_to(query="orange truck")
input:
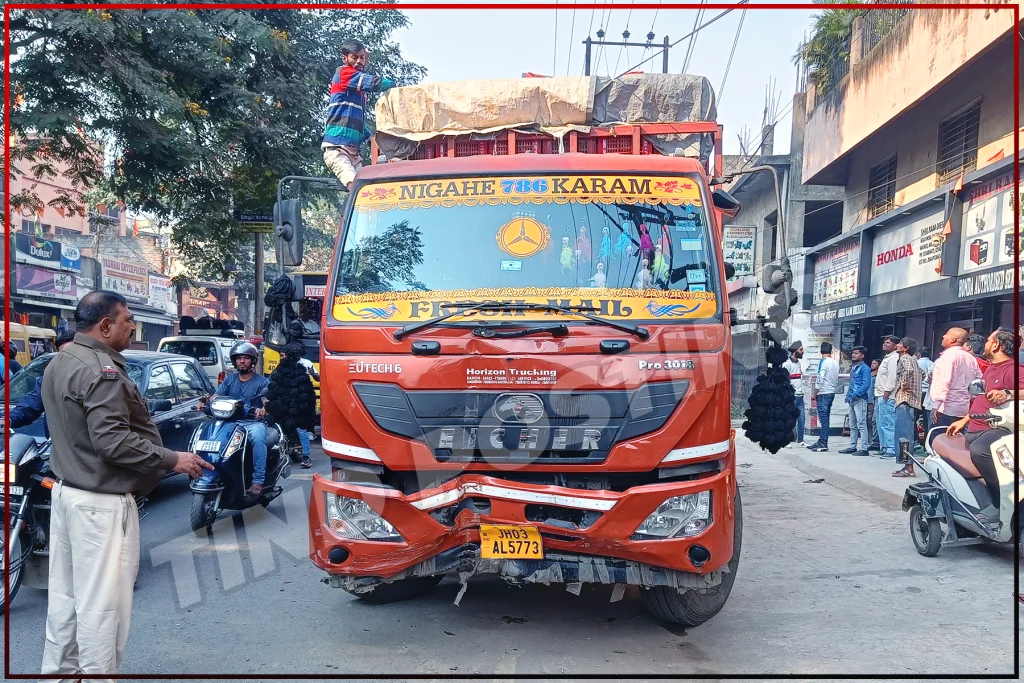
column 525, row 366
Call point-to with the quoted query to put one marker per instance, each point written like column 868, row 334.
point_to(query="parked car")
column 211, row 348
column 171, row 384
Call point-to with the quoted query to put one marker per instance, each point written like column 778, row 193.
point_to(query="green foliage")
column 198, row 112
column 828, row 49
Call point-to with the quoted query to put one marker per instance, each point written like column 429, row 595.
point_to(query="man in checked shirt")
column 908, row 399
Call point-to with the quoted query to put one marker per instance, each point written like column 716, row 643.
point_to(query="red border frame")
column 1014, row 7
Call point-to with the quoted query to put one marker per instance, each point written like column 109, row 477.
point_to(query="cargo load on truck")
column 412, row 121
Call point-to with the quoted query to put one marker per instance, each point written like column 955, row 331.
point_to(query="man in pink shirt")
column 954, row 371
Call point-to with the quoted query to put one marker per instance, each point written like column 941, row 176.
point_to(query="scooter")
column 224, row 443
column 944, row 510
column 26, row 471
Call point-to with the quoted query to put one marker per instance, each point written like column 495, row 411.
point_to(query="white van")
column 212, row 348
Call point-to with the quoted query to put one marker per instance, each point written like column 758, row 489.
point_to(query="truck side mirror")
column 725, row 203
column 976, row 388
column 288, row 231
column 730, row 271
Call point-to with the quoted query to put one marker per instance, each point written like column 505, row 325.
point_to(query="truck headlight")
column 353, row 518
column 677, row 517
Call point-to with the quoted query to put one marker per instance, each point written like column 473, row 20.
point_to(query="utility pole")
column 257, row 322
column 589, row 43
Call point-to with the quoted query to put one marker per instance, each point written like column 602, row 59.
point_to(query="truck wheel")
column 696, row 606
column 398, row 591
column 926, row 533
column 201, row 515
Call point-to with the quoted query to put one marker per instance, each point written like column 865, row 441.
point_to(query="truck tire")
column 399, row 591
column 694, row 607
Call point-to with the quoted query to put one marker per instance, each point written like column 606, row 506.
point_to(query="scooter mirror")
column 976, row 388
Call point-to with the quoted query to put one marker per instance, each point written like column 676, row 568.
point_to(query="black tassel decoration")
column 772, row 415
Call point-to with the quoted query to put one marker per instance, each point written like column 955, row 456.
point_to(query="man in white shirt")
column 825, row 387
column 885, row 402
column 795, row 367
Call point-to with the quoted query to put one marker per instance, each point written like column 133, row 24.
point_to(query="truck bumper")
column 598, row 550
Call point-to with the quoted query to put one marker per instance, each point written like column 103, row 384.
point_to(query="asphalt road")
column 828, row 584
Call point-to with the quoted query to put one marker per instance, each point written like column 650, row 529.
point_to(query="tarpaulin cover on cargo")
column 409, row 115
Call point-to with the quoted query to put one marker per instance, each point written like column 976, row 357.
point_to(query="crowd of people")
column 888, row 396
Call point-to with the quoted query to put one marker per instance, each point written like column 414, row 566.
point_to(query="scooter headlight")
column 677, row 517
column 353, row 518
column 222, row 408
column 237, row 439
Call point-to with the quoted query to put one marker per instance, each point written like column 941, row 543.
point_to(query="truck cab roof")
column 531, row 163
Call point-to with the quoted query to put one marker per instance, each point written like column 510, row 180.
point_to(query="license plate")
column 16, row 491
column 510, row 542
column 208, row 446
column 8, row 473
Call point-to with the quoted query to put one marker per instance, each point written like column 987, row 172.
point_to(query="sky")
column 456, row 45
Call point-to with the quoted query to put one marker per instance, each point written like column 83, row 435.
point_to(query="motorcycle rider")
column 245, row 385
column 1000, row 348
column 30, row 407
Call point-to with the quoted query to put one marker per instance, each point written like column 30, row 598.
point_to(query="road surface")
column 828, row 584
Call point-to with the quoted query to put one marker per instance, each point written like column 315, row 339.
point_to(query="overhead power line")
column 554, row 60
column 572, row 31
column 693, row 37
column 728, row 65
column 699, row 28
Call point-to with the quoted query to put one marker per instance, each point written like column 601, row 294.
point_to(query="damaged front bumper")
column 599, row 548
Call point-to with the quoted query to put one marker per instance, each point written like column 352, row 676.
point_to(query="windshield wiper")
column 581, row 311
column 489, row 333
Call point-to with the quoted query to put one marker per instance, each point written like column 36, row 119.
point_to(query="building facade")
column 919, row 135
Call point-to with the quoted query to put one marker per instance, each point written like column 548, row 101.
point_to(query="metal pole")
column 258, row 287
column 586, row 71
column 664, row 58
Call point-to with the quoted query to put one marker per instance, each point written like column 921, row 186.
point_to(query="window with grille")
column 66, row 232
column 882, row 187
column 958, row 143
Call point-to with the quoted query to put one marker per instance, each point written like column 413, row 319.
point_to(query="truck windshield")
column 629, row 247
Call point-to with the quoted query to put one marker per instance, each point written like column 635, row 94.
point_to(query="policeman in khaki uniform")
column 105, row 447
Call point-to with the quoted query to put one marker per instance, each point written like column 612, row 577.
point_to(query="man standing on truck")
column 345, row 129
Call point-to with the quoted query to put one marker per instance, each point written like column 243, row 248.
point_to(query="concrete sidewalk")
column 869, row 478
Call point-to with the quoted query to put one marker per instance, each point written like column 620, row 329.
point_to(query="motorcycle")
column 26, row 470
column 224, row 443
column 955, row 492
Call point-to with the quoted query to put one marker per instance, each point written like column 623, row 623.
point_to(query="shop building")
column 919, row 135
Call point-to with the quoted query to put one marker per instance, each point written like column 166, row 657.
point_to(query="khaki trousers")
column 94, row 561
column 344, row 162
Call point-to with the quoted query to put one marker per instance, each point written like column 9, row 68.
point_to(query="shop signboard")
column 160, row 292
column 738, row 248
column 836, row 271
column 903, row 254
column 987, row 229
column 130, row 280
column 46, row 284
column 36, row 251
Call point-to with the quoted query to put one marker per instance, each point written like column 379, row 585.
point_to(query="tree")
column 199, row 112
column 827, row 53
